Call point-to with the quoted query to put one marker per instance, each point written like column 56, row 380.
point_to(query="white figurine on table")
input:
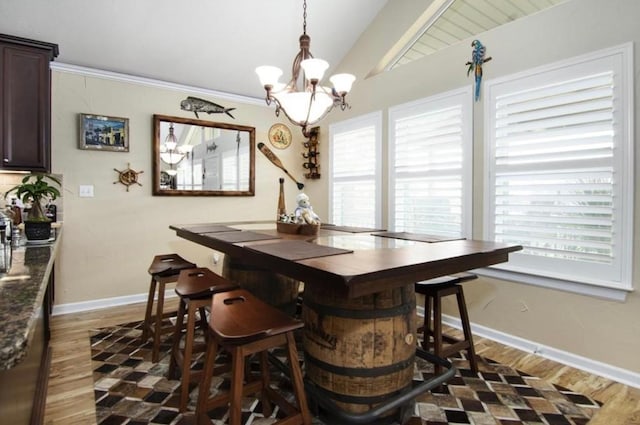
column 304, row 211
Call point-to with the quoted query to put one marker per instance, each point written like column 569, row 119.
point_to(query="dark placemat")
column 210, row 228
column 415, row 237
column 242, row 236
column 351, row 229
column 298, row 250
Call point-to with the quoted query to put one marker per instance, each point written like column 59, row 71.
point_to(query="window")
column 189, row 175
column 559, row 160
column 355, row 182
column 235, row 168
column 430, row 157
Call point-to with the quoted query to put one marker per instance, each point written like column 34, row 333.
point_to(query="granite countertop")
column 22, row 291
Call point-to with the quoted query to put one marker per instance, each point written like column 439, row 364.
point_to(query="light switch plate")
column 86, row 191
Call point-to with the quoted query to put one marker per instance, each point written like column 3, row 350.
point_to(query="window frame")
column 623, row 168
column 465, row 96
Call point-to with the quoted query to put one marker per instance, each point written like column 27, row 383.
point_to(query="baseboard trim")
column 82, row 306
column 595, row 367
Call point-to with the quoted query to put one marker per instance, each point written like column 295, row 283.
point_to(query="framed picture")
column 103, row 133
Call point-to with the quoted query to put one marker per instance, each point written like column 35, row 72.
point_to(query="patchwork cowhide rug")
column 130, row 389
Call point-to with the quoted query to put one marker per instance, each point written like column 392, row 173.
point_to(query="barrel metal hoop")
column 372, row 372
column 359, row 314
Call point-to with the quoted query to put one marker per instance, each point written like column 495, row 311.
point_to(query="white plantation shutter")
column 229, row 171
column 559, row 183
column 430, row 160
column 235, row 168
column 244, row 167
column 355, row 150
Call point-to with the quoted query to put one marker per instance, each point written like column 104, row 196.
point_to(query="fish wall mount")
column 195, row 105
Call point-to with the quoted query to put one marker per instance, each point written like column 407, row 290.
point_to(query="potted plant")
column 35, row 190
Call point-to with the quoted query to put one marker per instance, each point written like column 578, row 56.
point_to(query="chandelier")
column 312, row 102
column 171, row 153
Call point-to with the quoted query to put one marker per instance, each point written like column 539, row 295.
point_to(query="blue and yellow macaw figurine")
column 475, row 65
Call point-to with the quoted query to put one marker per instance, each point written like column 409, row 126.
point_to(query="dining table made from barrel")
column 359, row 305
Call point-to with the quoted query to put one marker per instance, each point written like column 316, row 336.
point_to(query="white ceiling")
column 209, row 44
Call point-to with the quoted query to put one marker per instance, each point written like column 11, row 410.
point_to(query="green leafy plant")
column 36, row 192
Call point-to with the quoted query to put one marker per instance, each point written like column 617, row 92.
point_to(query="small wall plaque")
column 280, row 136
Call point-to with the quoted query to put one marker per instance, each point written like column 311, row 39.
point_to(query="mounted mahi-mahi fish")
column 195, row 105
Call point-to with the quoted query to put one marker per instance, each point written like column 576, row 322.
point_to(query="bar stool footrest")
column 323, row 398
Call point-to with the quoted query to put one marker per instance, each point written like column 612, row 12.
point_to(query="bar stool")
column 195, row 288
column 243, row 325
column 434, row 290
column 164, row 270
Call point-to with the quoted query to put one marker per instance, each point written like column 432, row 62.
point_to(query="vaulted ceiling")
column 216, row 45
column 211, row 44
column 456, row 20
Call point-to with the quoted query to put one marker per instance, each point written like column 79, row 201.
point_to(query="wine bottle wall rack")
column 311, row 155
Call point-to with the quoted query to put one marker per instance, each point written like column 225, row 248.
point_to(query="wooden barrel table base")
column 366, row 378
column 374, row 360
column 275, row 289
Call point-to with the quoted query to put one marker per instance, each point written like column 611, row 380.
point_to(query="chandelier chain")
column 304, row 17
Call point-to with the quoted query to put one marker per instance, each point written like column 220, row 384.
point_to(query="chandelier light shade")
column 303, row 99
column 171, row 153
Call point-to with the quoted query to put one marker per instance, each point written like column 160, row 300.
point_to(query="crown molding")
column 150, row 82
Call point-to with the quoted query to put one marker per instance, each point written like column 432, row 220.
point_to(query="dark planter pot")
column 37, row 230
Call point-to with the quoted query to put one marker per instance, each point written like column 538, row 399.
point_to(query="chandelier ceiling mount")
column 303, row 99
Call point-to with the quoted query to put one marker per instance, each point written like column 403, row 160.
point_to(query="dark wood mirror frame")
column 218, row 143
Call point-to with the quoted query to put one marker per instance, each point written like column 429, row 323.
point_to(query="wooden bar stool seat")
column 164, row 270
column 243, row 325
column 195, row 288
column 434, row 290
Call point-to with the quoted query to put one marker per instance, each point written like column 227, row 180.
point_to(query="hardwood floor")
column 70, row 393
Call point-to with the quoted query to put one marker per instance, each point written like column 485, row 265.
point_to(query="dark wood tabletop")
column 368, row 264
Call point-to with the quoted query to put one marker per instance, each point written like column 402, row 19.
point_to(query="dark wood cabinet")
column 25, row 103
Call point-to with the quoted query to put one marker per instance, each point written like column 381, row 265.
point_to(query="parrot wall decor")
column 475, row 64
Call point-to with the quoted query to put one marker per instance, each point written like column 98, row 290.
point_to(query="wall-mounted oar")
column 276, row 161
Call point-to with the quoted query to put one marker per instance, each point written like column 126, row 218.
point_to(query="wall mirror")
column 202, row 158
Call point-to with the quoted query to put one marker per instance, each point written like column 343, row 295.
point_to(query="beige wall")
column 605, row 331
column 110, row 239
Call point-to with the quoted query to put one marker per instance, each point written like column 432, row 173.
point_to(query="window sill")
column 608, row 293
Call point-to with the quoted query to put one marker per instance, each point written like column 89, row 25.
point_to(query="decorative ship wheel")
column 128, row 176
